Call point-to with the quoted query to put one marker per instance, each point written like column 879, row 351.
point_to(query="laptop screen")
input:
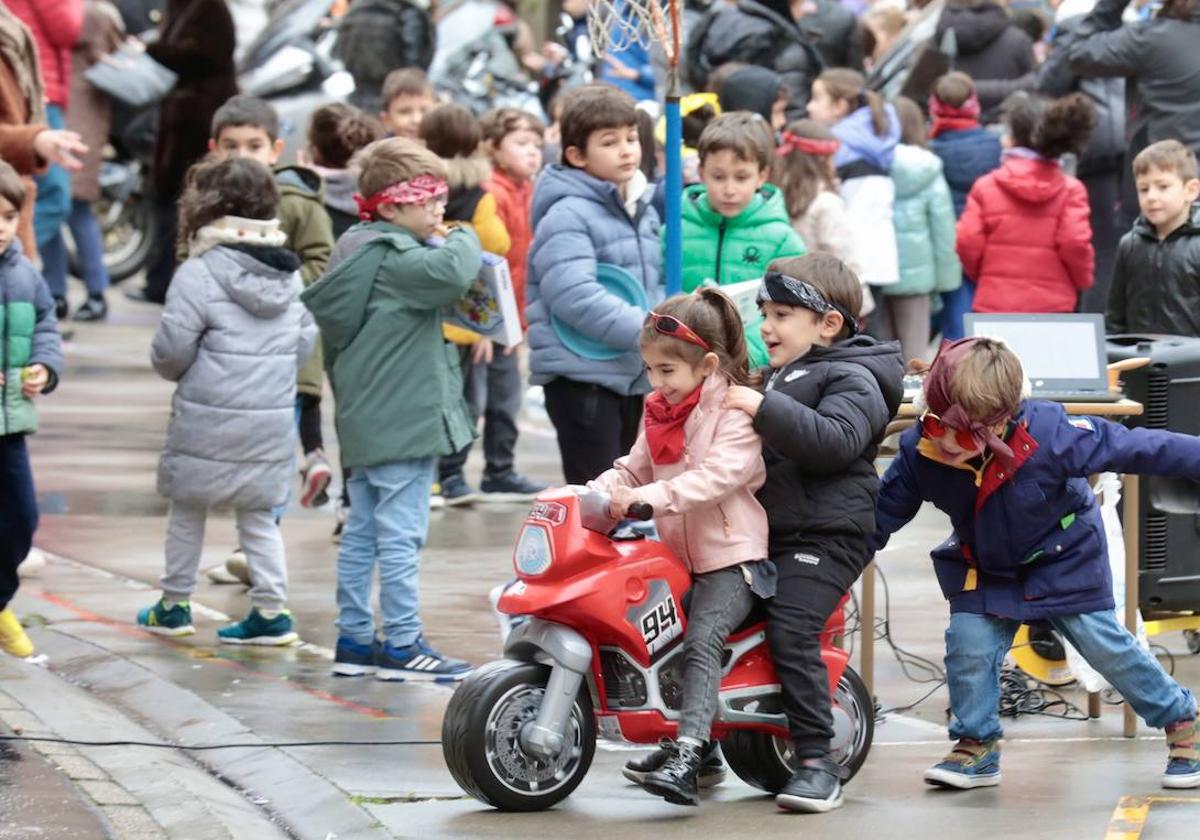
column 1056, row 351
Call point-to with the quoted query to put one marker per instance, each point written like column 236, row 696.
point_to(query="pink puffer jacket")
column 704, row 504
column 55, row 25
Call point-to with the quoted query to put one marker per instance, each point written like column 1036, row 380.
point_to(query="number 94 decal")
column 657, row 618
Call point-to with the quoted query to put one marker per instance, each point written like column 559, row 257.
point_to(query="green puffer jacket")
column 924, row 223
column 28, row 336
column 721, row 250
column 397, row 386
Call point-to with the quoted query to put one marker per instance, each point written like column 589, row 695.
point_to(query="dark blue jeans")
column 18, row 512
column 85, row 230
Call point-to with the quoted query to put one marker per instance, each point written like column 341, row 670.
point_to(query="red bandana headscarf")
column 948, row 118
column 419, row 190
column 664, row 426
column 789, row 142
column 937, row 398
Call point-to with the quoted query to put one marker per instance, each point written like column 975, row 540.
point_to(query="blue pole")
column 674, row 196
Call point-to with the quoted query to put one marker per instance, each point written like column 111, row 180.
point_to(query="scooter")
column 601, row 654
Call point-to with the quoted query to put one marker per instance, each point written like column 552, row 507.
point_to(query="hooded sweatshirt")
column 863, row 162
column 751, row 88
column 924, row 223
column 1026, row 237
column 340, row 187
column 1156, row 283
column 989, row 46
column 821, row 422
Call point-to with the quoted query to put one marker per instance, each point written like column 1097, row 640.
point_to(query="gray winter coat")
column 233, row 335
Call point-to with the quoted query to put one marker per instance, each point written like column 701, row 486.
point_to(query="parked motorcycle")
column 601, row 654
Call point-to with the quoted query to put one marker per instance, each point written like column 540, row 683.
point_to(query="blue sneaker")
column 970, row 764
column 418, row 662
column 1183, row 765
column 176, row 621
column 353, row 659
column 255, row 629
column 457, row 492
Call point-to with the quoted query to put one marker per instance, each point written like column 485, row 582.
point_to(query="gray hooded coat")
column 233, row 335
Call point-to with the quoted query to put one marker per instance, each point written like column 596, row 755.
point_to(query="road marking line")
column 1129, row 817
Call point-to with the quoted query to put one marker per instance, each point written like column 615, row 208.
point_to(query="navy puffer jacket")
column 966, row 157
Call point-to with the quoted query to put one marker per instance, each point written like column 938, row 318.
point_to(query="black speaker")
column 1169, row 543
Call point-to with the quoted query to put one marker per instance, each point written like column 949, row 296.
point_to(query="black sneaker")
column 93, row 309
column 712, row 768
column 675, row 781
column 512, row 487
column 457, row 492
column 815, row 788
column 60, row 308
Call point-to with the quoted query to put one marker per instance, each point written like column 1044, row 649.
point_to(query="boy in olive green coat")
column 398, row 391
column 734, row 222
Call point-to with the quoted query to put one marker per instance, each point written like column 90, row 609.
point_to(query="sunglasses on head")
column 935, row 428
column 671, row 326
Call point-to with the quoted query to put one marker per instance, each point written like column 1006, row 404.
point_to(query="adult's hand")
column 61, row 147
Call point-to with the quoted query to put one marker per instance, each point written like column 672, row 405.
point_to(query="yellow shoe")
column 13, row 639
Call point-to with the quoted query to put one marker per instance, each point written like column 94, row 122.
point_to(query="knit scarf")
column 948, row 118
column 235, row 230
column 19, row 53
column 664, row 426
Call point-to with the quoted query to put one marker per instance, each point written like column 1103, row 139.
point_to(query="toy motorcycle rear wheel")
column 767, row 762
column 481, row 739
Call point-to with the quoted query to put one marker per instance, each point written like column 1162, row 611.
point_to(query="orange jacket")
column 513, row 202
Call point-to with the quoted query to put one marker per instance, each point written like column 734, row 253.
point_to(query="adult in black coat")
column 989, row 46
column 196, row 41
column 762, row 32
column 836, row 33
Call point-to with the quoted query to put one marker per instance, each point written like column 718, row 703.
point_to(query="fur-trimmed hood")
column 467, row 172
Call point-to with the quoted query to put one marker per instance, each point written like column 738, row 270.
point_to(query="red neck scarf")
column 947, row 118
column 664, row 426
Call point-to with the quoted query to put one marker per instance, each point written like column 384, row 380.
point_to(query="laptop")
column 1063, row 354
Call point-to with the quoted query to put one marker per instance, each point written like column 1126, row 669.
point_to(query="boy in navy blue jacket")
column 1028, row 544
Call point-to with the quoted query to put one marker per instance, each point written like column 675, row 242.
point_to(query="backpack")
column 376, row 37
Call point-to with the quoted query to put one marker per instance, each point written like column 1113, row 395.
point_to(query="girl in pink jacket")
column 699, row 465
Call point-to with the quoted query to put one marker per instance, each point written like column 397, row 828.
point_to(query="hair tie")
column 809, row 145
column 419, row 190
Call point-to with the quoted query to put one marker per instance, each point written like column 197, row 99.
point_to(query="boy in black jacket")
column 1156, row 282
column 829, row 395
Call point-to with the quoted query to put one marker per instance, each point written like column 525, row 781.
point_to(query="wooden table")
column 905, row 419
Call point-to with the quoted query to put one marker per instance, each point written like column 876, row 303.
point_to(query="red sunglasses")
column 673, row 327
column 935, row 428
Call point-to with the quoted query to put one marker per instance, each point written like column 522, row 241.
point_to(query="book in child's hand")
column 489, row 308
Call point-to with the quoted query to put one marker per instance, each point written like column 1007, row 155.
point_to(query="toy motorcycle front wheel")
column 481, row 739
column 767, row 762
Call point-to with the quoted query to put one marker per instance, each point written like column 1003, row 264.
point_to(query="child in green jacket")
column 398, row 395
column 734, row 222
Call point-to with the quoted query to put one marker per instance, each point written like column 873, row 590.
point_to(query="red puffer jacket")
column 1026, row 238
column 55, row 25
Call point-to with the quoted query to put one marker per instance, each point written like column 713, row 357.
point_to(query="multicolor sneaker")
column 315, row 477
column 256, row 629
column 436, row 500
column 13, row 639
column 418, row 661
column 970, row 764
column 1183, row 762
column 175, row 620
column 353, row 659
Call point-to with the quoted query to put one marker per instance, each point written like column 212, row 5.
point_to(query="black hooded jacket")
column 821, row 422
column 751, row 88
column 989, row 47
column 1156, row 284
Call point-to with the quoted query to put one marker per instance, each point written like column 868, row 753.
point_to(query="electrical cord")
column 200, row 747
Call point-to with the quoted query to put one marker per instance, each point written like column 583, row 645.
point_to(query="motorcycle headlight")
column 534, row 552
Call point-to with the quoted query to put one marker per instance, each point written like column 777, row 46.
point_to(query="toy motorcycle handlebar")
column 640, row 511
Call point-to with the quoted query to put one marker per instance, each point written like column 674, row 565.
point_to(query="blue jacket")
column 579, row 221
column 966, row 156
column 635, row 57
column 1034, row 537
column 923, row 217
column 863, row 149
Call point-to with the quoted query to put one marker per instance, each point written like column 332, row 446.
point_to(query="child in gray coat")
column 233, row 335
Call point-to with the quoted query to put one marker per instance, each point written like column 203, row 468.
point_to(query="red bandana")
column 419, row 190
column 947, row 118
column 810, row 146
column 664, row 426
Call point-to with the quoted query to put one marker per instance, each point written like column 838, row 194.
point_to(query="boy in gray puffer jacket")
column 233, row 335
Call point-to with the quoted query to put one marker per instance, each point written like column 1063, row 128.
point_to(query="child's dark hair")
column 745, row 134
column 450, row 130
column 407, row 81
column 12, row 188
column 337, row 130
column 801, row 176
column 954, row 89
column 244, row 110
column 913, row 129
column 231, row 187
column 718, row 77
column 645, row 127
column 849, row 85
column 829, row 276
column 1165, row 155
column 501, row 122
column 695, row 121
column 1049, row 127
column 710, row 314
column 591, row 108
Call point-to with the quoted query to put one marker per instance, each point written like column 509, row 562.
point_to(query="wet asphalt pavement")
column 102, row 524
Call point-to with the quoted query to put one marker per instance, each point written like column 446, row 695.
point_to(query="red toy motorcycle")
column 602, row 653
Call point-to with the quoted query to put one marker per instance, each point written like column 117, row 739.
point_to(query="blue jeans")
column 955, row 305
column 89, row 244
column 53, row 203
column 388, row 523
column 975, row 648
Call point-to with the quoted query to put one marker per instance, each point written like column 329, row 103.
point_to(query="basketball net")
column 616, row 25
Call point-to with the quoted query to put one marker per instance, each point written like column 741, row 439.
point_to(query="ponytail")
column 850, row 86
column 710, row 314
column 731, row 349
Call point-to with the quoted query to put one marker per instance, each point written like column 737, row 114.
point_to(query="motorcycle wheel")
column 127, row 232
column 481, row 739
column 768, row 762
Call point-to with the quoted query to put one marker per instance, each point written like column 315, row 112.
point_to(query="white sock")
column 687, row 739
column 269, row 614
